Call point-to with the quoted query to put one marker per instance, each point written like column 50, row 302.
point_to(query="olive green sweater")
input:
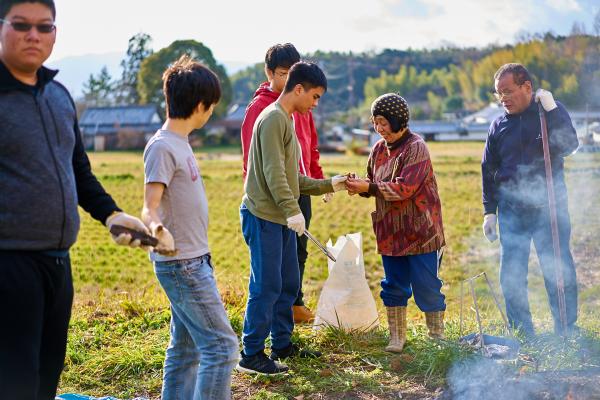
column 273, row 183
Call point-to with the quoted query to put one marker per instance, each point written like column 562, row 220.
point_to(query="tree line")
column 445, row 80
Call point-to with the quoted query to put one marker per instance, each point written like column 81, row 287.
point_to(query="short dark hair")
column 518, row 71
column 6, row 5
column 281, row 55
column 307, row 74
column 187, row 83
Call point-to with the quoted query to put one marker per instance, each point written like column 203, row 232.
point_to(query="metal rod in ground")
column 460, row 327
column 510, row 332
column 478, row 317
column 560, row 286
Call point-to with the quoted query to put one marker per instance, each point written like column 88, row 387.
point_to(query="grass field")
column 119, row 328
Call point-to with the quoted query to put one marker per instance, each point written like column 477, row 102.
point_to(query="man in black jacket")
column 44, row 175
column 514, row 185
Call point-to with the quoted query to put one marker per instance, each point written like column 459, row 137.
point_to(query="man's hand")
column 339, row 182
column 489, row 227
column 166, row 243
column 327, row 197
column 545, row 97
column 125, row 239
column 297, row 224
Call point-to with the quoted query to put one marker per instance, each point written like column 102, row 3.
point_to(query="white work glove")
column 126, row 220
column 327, row 197
column 297, row 224
column 166, row 243
column 339, row 182
column 545, row 97
column 489, row 227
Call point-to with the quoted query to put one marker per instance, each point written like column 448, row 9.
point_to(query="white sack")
column 346, row 300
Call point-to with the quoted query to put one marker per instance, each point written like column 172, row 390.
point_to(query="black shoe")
column 260, row 364
column 293, row 351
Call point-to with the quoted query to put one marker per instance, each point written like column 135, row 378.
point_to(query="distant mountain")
column 74, row 71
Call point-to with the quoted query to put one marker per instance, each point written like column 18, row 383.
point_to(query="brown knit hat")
column 392, row 107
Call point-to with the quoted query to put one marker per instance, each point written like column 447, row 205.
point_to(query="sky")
column 241, row 31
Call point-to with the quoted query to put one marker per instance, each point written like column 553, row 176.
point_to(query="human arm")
column 252, row 112
column 562, row 136
column 315, row 187
column 489, row 167
column 96, row 201
column 315, row 167
column 91, row 195
column 413, row 169
column 153, row 192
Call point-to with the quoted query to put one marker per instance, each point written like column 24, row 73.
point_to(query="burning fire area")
column 488, row 379
column 543, row 367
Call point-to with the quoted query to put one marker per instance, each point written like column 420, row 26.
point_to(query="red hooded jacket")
column 303, row 124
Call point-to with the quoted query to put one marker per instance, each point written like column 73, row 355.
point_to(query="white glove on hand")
column 339, row 182
column 127, row 221
column 545, row 97
column 327, row 197
column 166, row 243
column 297, row 224
column 489, row 227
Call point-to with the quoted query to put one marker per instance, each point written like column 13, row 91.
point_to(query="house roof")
column 486, row 115
column 124, row 115
column 109, row 119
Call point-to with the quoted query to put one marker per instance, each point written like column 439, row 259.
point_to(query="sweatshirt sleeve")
column 272, row 153
column 561, row 133
column 315, row 167
column 415, row 168
column 372, row 186
column 91, row 195
column 314, row 187
column 489, row 166
column 252, row 112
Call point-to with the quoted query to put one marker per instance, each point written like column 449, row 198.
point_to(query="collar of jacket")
column 399, row 142
column 9, row 82
column 531, row 108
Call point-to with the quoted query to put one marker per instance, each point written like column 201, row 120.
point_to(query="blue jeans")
column 203, row 348
column 407, row 274
column 274, row 283
column 518, row 227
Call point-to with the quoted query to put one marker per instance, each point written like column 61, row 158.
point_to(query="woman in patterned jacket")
column 407, row 219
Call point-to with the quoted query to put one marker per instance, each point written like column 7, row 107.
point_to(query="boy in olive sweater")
column 270, row 216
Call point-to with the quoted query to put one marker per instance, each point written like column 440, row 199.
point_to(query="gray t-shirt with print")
column 169, row 159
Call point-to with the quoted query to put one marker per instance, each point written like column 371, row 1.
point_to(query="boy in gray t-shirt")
column 203, row 347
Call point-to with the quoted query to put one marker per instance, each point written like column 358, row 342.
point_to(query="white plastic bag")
column 346, row 301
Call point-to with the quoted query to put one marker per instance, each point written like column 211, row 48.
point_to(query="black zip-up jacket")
column 513, row 171
column 44, row 170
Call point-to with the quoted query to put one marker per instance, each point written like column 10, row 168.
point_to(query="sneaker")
column 302, row 314
column 293, row 351
column 260, row 364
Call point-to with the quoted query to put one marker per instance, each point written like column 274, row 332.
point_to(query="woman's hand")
column 357, row 185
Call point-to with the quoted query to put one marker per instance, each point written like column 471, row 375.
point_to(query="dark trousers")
column 518, row 227
column 418, row 274
column 302, row 242
column 36, row 294
column 273, row 283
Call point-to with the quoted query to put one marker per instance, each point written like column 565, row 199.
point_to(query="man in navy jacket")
column 44, row 176
column 514, row 188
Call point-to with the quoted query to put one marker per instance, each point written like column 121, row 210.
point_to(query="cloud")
column 565, row 5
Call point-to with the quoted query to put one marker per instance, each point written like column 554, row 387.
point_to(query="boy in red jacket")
column 278, row 61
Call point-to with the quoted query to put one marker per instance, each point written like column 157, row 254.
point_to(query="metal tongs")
column 320, row 245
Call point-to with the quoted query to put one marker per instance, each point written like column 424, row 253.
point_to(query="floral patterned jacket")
column 408, row 213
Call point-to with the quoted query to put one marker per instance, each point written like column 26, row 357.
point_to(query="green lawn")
column 119, row 328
